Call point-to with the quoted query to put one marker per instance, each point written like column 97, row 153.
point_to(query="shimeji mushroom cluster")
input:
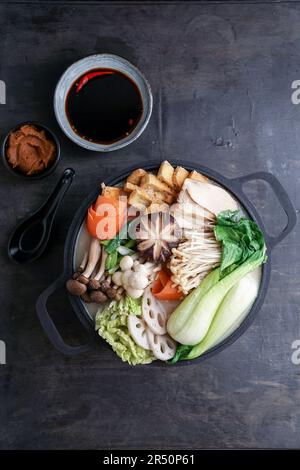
column 134, row 276
column 93, row 284
column 90, row 281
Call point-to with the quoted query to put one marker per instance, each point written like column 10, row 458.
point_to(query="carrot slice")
column 156, row 286
column 92, row 220
column 164, row 277
column 164, row 289
column 106, row 217
column 169, row 292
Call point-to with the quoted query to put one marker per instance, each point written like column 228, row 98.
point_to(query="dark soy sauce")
column 104, row 106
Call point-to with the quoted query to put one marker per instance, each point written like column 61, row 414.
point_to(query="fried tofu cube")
column 179, row 176
column 136, row 176
column 194, row 175
column 159, row 197
column 156, row 196
column 128, row 187
column 139, row 198
column 151, row 181
column 169, row 198
column 112, row 192
column 165, row 173
column 155, row 207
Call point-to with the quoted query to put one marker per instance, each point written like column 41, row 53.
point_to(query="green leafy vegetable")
column 105, row 242
column 240, row 238
column 111, row 261
column 116, row 248
column 114, row 269
column 131, row 306
column 130, row 244
column 119, row 239
column 182, row 352
column 111, row 324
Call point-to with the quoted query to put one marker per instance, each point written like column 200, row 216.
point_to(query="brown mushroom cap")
column 119, row 293
column 104, row 285
column 98, row 297
column 158, row 233
column 76, row 274
column 86, row 298
column 93, row 284
column 75, row 287
column 82, row 279
column 111, row 293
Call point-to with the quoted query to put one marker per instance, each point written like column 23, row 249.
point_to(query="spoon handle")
column 53, row 201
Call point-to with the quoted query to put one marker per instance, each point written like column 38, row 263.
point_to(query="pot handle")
column 49, row 326
column 282, row 198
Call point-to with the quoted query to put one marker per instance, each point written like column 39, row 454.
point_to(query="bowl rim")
column 147, row 97
column 44, row 173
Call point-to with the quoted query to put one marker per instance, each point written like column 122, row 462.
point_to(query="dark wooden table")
column 221, row 76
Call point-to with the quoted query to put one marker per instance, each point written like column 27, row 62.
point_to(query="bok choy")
column 243, row 250
column 229, row 316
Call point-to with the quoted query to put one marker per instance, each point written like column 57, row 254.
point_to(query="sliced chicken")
column 209, row 196
column 189, row 216
column 185, row 200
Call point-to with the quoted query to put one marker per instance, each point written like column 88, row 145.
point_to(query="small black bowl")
column 50, row 135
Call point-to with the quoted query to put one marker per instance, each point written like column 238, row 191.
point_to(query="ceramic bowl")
column 108, row 61
column 50, row 134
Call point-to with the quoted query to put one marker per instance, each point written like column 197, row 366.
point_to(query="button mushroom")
column 125, row 278
column 134, row 293
column 138, row 281
column 117, row 278
column 140, row 268
column 136, row 278
column 126, row 263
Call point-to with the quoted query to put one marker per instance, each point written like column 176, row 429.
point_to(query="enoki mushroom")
column 194, row 257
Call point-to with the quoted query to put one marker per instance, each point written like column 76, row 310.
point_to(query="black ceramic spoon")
column 30, row 237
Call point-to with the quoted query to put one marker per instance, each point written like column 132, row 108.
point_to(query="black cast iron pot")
column 235, row 186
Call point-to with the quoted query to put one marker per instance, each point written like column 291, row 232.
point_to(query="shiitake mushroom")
column 158, row 234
